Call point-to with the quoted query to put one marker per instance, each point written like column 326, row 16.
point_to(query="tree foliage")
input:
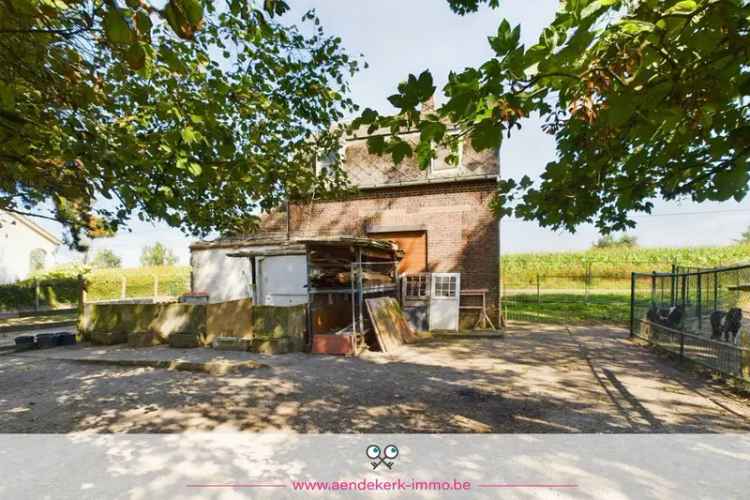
column 105, row 259
column 745, row 236
column 193, row 112
column 645, row 99
column 608, row 241
column 157, row 255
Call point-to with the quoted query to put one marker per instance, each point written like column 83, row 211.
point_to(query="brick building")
column 440, row 217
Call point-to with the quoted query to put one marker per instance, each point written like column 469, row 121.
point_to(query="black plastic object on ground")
column 46, row 340
column 66, row 338
column 25, row 342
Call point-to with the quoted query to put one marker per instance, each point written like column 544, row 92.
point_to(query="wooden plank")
column 391, row 327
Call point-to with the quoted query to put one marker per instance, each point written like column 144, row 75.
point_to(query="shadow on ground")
column 538, row 380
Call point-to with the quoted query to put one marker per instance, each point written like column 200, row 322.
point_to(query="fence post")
column 653, row 288
column 36, row 294
column 587, row 283
column 123, row 287
column 682, row 346
column 674, row 284
column 156, row 285
column 81, row 294
column 684, row 292
column 716, row 291
column 698, row 301
column 538, row 297
column 632, row 304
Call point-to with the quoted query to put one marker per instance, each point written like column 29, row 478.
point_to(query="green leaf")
column 143, row 23
column 634, row 27
column 116, row 28
column 506, row 38
column 194, row 12
column 7, row 96
column 728, row 182
column 194, row 169
column 431, row 131
column 376, row 145
column 486, row 135
column 400, row 150
column 683, row 7
column 136, row 56
column 620, row 110
column 189, row 135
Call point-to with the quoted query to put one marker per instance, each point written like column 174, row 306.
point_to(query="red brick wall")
column 462, row 231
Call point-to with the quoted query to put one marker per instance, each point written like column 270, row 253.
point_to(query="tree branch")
column 30, row 214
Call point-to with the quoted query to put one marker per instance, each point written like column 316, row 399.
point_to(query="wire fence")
column 702, row 315
column 590, row 290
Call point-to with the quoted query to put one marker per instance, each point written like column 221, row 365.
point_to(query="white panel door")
column 445, row 292
column 282, row 280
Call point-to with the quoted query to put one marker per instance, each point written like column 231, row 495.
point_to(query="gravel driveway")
column 540, row 379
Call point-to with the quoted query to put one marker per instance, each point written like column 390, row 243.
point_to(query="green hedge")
column 59, row 287
column 53, row 293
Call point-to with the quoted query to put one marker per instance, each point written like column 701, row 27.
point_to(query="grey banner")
column 229, row 465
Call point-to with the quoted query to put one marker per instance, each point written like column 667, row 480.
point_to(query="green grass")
column 106, row 284
column 594, row 285
column 561, row 307
column 612, row 267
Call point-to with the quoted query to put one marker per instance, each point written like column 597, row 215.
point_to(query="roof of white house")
column 34, row 227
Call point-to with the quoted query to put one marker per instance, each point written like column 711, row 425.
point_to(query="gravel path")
column 540, row 379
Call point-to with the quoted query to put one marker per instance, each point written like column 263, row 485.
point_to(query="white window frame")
column 448, row 167
column 326, row 161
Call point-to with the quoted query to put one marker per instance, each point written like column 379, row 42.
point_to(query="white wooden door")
column 445, row 292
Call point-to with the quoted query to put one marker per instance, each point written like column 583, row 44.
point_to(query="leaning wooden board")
column 391, row 327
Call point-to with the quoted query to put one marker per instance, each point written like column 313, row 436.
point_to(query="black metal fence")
column 700, row 314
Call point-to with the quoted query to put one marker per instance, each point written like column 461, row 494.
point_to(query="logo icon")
column 382, row 456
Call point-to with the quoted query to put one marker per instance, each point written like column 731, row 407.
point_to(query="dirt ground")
column 536, row 379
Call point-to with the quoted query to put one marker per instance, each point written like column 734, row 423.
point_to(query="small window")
column 417, row 286
column 441, row 164
column 445, row 286
column 325, row 160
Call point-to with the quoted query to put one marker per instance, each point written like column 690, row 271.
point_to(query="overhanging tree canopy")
column 645, row 99
column 190, row 111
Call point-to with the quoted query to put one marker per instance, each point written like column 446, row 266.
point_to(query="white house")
column 24, row 247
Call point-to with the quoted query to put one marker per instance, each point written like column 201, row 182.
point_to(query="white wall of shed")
column 223, row 278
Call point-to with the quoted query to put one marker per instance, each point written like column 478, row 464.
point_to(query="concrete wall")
column 229, row 319
column 17, row 241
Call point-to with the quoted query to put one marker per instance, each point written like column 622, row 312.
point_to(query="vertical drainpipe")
column 501, row 317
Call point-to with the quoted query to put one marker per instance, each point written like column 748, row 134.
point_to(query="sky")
column 398, row 37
